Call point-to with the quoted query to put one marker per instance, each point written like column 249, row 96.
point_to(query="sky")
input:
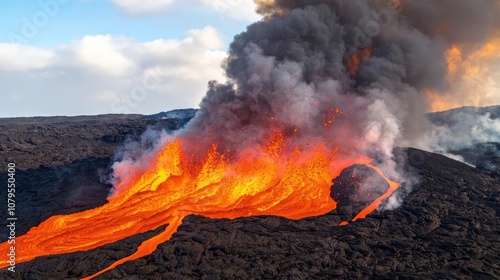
column 88, row 57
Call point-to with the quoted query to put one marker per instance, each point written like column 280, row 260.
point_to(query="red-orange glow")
column 392, row 187
column 271, row 180
column 356, row 59
column 473, row 76
column 396, row 4
column 330, row 116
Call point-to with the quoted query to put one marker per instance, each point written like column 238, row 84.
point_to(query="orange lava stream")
column 264, row 181
column 146, row 248
column 392, row 187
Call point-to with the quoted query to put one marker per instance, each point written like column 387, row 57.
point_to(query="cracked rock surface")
column 447, row 226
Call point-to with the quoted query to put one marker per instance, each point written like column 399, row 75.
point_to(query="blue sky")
column 73, row 57
column 79, row 18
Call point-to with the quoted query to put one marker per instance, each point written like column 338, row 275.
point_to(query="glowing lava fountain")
column 272, row 180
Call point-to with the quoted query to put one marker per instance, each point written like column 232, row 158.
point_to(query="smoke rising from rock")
column 288, row 74
column 462, row 128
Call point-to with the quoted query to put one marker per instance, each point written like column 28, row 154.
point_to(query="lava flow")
column 272, row 180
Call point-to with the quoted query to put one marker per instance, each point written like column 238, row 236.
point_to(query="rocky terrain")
column 473, row 134
column 56, row 141
column 446, row 228
column 61, row 162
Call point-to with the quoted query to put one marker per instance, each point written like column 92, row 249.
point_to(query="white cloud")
column 106, row 96
column 236, row 9
column 136, row 7
column 104, row 53
column 242, row 10
column 15, row 57
column 206, row 37
column 110, row 74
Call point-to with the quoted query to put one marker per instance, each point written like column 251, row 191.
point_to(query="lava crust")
column 447, row 226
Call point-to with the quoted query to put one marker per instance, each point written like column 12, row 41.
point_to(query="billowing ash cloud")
column 293, row 67
column 459, row 21
column 292, row 73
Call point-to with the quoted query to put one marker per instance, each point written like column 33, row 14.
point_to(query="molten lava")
column 292, row 182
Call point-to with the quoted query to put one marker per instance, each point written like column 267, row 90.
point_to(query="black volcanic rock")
column 47, row 191
column 56, row 141
column 447, row 225
column 356, row 188
column 485, row 156
column 62, row 162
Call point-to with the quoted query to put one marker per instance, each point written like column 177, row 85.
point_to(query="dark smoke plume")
column 289, row 73
column 292, row 66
